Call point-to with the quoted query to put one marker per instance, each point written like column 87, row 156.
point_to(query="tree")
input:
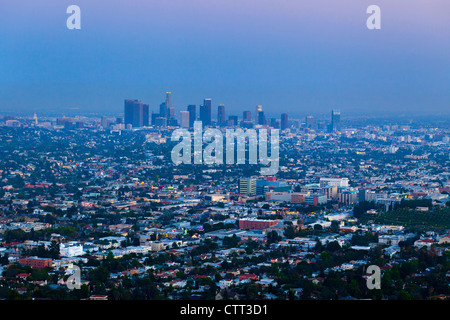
column 289, row 232
column 333, row 246
column 273, row 237
column 334, row 226
column 362, row 208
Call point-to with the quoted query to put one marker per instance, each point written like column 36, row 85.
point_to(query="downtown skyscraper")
column 335, row 121
column 284, row 121
column 192, row 114
column 205, row 112
column 259, row 116
column 136, row 113
column 221, row 115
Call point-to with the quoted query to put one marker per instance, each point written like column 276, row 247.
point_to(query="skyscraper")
column 284, row 121
column 104, row 122
column 205, row 112
column 163, row 111
column 192, row 115
column 335, row 120
column 154, row 116
column 221, row 115
column 136, row 113
column 184, row 115
column 171, row 112
column 261, row 118
column 247, row 116
column 258, row 109
column 145, row 115
column 169, row 100
column 233, row 121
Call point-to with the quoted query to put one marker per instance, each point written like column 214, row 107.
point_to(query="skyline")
column 300, row 58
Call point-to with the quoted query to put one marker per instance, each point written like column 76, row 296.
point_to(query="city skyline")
column 303, row 58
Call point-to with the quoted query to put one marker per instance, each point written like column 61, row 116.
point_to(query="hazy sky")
column 300, row 57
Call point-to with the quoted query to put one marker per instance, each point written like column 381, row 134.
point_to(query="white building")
column 71, row 249
column 339, row 182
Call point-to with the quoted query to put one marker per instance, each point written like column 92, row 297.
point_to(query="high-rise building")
column 163, row 110
column 171, row 112
column 247, row 120
column 261, row 118
column 233, row 121
column 104, row 122
column 274, row 123
column 169, row 100
column 221, row 115
column 284, row 121
column 192, row 115
column 184, row 115
column 247, row 186
column 136, row 113
column 257, row 110
column 161, row 122
column 154, row 116
column 321, row 125
column 205, row 112
column 145, row 115
column 335, row 121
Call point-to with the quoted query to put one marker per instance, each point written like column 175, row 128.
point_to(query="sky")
column 299, row 57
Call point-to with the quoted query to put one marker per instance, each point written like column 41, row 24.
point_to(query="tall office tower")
column 257, row 110
column 35, row 119
column 154, row 116
column 161, row 122
column 247, row 186
column 171, row 112
column 163, row 110
column 246, row 116
column 192, row 115
column 169, row 99
column 309, row 121
column 261, row 118
column 232, row 121
column 145, row 115
column 284, row 121
column 136, row 113
column 205, row 112
column 104, row 122
column 184, row 115
column 221, row 115
column 335, row 120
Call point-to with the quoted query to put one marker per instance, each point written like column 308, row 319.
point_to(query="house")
column 23, row 276
column 427, row 242
column 265, row 282
column 227, row 294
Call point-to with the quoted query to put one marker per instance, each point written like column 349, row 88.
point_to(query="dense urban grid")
column 102, row 194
